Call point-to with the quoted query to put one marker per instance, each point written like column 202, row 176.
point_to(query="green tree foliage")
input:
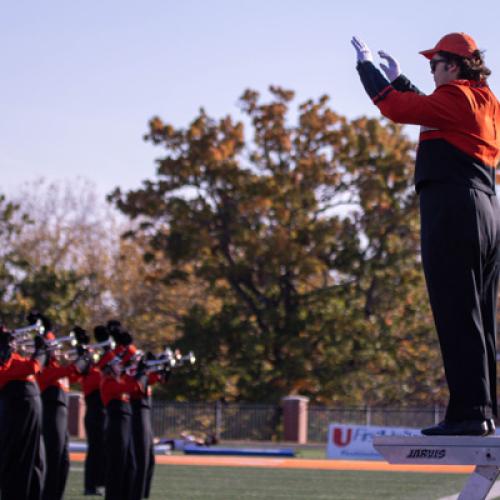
column 306, row 237
column 12, row 220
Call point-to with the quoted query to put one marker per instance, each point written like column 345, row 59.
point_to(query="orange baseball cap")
column 460, row 44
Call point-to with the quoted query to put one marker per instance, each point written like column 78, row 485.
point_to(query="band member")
column 54, row 385
column 140, row 400
column 455, row 169
column 120, row 460
column 21, row 448
column 95, row 419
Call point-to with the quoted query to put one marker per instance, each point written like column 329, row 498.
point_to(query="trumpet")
column 171, row 360
column 19, row 333
column 101, row 345
column 61, row 340
column 73, row 354
column 160, row 363
column 187, row 359
column 27, row 346
column 167, row 360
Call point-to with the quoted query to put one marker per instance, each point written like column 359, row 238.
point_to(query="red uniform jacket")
column 139, row 393
column 54, row 375
column 119, row 389
column 91, row 381
column 109, row 355
column 18, row 368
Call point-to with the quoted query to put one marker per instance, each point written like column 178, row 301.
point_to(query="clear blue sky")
column 80, row 79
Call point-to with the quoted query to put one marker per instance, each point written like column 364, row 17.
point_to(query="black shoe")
column 463, row 428
column 491, row 426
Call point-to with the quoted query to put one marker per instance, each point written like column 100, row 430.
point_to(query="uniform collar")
column 470, row 83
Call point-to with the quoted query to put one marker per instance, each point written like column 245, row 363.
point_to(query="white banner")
column 355, row 441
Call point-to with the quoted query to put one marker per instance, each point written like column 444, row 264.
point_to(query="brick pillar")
column 295, row 410
column 76, row 411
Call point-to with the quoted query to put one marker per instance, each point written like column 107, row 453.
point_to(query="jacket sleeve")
column 443, row 109
column 53, row 373
column 105, row 359
column 402, row 84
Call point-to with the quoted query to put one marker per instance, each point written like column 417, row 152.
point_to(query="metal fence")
column 320, row 416
column 225, row 421
column 261, row 422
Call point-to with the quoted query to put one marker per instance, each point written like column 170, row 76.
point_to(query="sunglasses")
column 435, row 62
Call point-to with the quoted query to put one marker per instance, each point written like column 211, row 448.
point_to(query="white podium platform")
column 483, row 452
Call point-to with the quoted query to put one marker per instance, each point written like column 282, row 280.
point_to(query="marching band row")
column 116, row 378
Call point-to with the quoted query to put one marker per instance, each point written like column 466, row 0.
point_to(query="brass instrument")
column 24, row 342
column 189, row 359
column 94, row 349
column 24, row 333
column 170, row 359
column 27, row 346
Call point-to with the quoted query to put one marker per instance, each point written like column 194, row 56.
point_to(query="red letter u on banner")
column 337, row 437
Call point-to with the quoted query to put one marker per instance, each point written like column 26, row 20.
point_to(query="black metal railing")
column 319, row 417
column 263, row 422
column 233, row 421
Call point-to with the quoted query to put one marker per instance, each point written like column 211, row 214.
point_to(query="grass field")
column 235, row 483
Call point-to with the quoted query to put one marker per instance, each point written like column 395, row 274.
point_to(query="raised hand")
column 363, row 52
column 392, row 69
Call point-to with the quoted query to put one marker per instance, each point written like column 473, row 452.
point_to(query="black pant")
column 460, row 231
column 143, row 447
column 120, row 460
column 95, row 463
column 21, row 448
column 55, row 437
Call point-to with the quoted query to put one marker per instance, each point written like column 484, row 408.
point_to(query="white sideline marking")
column 494, row 493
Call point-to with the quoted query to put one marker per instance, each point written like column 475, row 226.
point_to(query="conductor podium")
column 483, row 452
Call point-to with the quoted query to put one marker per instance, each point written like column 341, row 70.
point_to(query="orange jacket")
column 460, row 139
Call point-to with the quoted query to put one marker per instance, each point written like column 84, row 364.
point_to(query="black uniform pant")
column 460, row 237
column 55, row 437
column 120, row 460
column 95, row 463
column 21, row 452
column 143, row 447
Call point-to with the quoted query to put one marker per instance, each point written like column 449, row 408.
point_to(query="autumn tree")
column 65, row 257
column 151, row 311
column 66, row 252
column 306, row 237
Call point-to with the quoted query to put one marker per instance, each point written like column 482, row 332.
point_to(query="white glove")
column 392, row 70
column 363, row 52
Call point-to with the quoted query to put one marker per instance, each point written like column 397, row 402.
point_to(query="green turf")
column 312, row 453
column 238, row 483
